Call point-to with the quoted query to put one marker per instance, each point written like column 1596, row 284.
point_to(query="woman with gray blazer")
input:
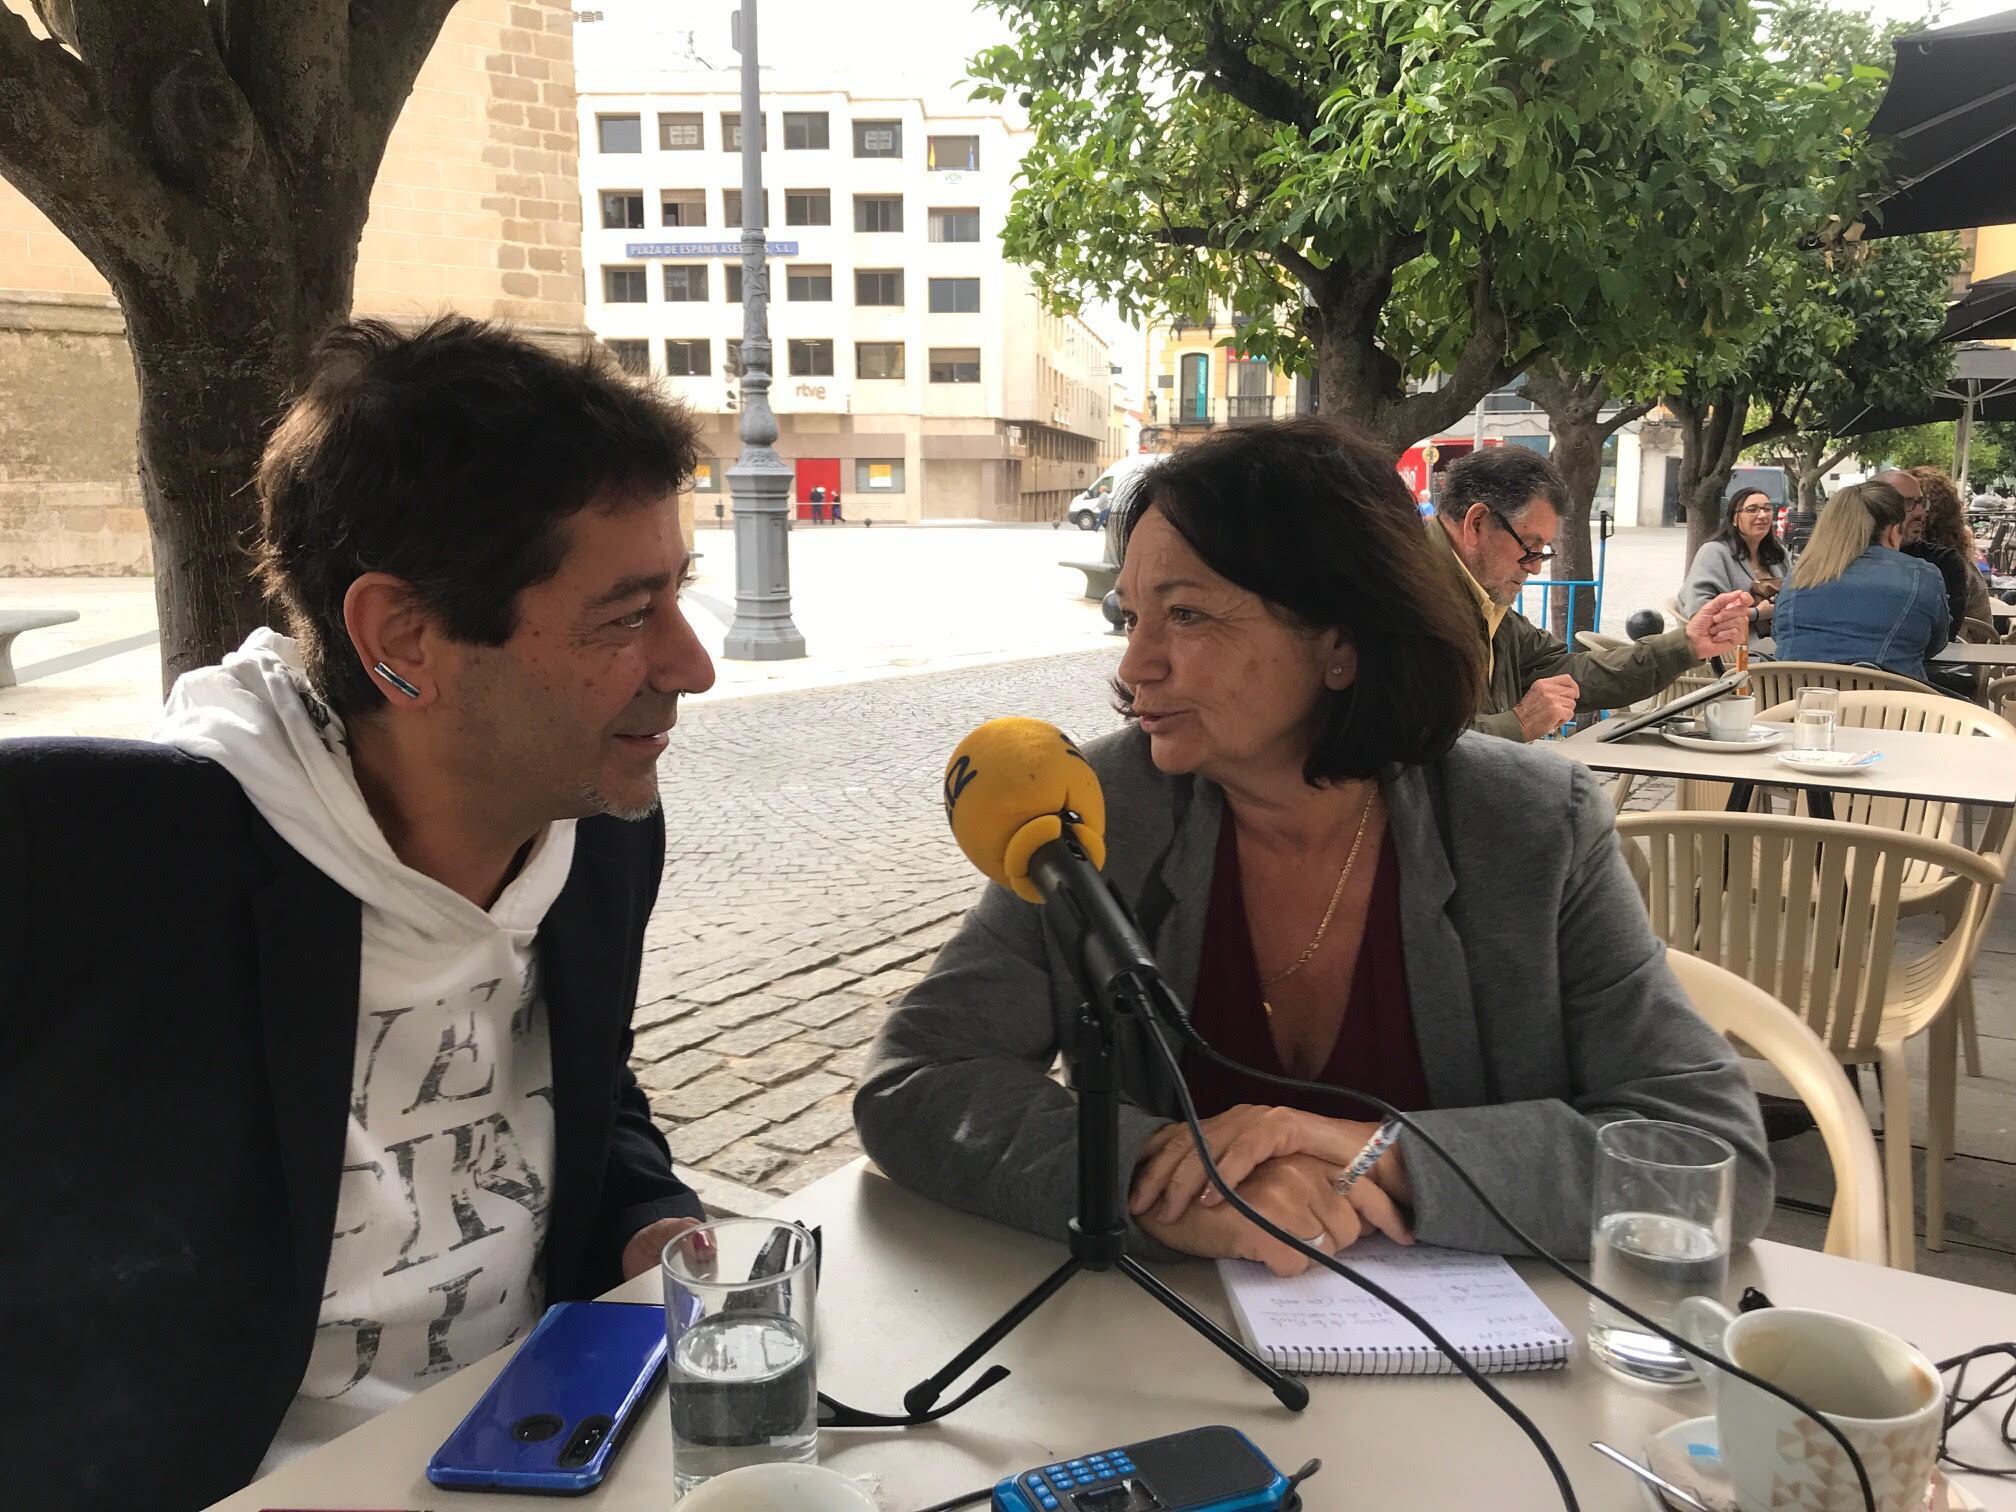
column 1341, row 886
column 1745, row 556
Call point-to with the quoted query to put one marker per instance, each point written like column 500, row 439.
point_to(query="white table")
column 1943, row 768
column 1970, row 654
column 907, row 1284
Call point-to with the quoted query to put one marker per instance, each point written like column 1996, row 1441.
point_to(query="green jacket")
column 1522, row 654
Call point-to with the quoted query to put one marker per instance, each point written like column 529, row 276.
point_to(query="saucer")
column 1689, row 1454
column 1695, row 738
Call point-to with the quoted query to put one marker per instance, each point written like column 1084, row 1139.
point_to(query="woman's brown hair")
column 1312, row 516
column 1945, row 518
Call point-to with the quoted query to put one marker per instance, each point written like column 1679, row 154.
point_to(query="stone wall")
column 475, row 209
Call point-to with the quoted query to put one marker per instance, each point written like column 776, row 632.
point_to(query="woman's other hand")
column 1297, row 1192
column 1169, row 1178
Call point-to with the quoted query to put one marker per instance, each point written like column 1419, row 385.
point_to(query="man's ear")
column 395, row 638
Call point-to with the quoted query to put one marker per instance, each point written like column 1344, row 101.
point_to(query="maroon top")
column 1375, row 1051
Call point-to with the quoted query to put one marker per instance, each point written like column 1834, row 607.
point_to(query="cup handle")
column 1704, row 1321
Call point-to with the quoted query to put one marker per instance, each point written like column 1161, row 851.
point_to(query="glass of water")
column 1663, row 1192
column 740, row 1372
column 1819, row 714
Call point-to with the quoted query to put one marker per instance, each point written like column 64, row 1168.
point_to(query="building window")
column 686, row 357
column 731, row 131
column 808, row 207
column 811, row 359
column 882, row 139
column 805, row 130
column 683, row 207
column 706, row 476
column 623, row 285
column 731, row 207
column 622, row 209
column 619, row 133
column 632, row 356
column 878, row 212
column 679, row 131
column 878, row 286
column 955, row 364
column 955, row 296
column 731, row 282
column 808, row 281
column 878, row 475
column 685, row 283
column 878, row 359
column 949, row 152
column 955, row 225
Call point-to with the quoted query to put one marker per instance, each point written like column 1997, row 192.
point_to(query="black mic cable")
column 1158, row 994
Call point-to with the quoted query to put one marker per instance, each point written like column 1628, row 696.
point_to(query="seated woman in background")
column 1855, row 598
column 1745, row 556
column 1946, row 525
column 1340, row 883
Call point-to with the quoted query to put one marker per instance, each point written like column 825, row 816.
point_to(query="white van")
column 1090, row 509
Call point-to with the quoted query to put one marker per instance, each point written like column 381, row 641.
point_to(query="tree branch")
column 1624, row 417
column 389, row 40
column 1311, row 277
column 291, row 60
column 1229, row 69
column 1481, row 367
column 45, row 95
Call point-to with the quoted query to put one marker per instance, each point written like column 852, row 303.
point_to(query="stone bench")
column 15, row 622
column 1099, row 577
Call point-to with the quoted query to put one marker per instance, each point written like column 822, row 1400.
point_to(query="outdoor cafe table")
column 906, row 1284
column 1971, row 654
column 1934, row 768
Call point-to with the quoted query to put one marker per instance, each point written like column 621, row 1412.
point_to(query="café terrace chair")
column 1806, row 910
column 1758, row 1024
column 1927, row 890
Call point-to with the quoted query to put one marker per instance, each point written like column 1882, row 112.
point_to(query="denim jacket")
column 1887, row 610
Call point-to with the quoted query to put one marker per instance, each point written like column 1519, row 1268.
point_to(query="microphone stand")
column 1091, row 927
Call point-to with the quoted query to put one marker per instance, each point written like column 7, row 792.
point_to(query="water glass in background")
column 1819, row 714
column 740, row 1373
column 1663, row 1192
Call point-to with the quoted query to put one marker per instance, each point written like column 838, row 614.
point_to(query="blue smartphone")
column 554, row 1418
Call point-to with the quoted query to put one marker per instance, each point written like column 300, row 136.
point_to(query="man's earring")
column 396, row 680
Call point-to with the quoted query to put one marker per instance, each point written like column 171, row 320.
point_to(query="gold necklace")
column 1336, row 893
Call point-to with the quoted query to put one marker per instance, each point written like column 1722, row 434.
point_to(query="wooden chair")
column 1807, row 910
column 1760, row 1025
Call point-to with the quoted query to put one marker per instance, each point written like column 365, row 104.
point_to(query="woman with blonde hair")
column 1946, row 525
column 1855, row 598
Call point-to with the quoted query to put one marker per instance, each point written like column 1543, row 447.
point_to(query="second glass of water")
column 741, row 1370
column 1819, row 712
column 1663, row 1195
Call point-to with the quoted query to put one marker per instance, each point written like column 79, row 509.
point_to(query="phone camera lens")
column 536, row 1428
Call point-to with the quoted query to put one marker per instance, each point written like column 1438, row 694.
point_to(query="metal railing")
column 1240, row 407
column 1570, row 589
column 1237, row 409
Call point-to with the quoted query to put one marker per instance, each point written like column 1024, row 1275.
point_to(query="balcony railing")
column 1238, row 409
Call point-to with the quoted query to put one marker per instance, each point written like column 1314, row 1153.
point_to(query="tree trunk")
column 1573, row 402
column 1711, row 441
column 1809, row 454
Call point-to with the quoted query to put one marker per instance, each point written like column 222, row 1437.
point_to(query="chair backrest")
column 1763, row 1026
column 1807, row 909
column 2001, row 694
column 1777, row 682
column 1590, row 640
column 1923, row 714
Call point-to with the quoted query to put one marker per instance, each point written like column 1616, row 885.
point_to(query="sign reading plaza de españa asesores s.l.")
column 705, row 249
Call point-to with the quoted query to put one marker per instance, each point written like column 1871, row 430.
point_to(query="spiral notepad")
column 1318, row 1323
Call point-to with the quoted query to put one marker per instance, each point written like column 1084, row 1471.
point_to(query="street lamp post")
column 759, row 482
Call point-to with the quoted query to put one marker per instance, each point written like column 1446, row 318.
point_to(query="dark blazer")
column 178, row 1016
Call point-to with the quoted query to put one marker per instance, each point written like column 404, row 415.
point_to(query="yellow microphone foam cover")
column 1005, row 787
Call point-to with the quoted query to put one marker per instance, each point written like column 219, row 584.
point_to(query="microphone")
column 1027, row 809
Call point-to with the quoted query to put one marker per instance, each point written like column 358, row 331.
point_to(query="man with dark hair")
column 317, row 1005
column 1496, row 518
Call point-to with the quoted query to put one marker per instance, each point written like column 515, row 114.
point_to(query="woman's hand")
column 1169, row 1177
column 1297, row 1192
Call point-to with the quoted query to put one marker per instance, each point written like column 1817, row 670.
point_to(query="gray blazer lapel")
column 1438, row 976
column 1175, row 898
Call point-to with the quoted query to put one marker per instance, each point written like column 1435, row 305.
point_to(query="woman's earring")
column 396, row 680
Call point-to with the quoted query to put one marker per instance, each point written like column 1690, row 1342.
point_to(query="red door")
column 816, row 472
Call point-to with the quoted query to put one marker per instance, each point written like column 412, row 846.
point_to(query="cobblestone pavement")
column 809, row 878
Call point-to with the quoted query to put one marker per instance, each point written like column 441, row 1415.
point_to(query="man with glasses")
column 1498, row 511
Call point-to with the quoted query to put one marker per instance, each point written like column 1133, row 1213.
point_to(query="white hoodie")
column 448, row 1159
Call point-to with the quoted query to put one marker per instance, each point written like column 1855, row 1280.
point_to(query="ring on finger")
column 1321, row 1238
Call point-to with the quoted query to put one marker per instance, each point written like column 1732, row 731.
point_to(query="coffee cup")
column 1730, row 718
column 778, row 1488
column 1884, row 1395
